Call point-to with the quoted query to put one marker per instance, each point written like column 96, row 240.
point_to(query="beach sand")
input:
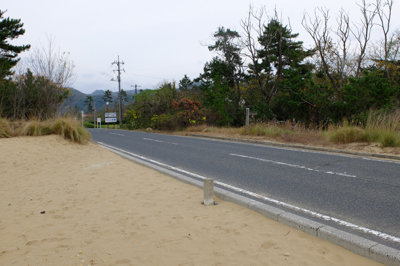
column 101, row 209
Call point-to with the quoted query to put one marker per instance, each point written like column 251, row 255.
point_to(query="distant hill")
column 78, row 99
column 98, row 92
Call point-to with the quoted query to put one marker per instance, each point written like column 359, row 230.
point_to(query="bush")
column 88, row 124
column 346, row 134
column 390, row 139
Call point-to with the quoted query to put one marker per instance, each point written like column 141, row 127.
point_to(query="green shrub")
column 345, row 134
column 390, row 139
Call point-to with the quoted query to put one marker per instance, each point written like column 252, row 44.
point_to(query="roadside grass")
column 67, row 127
column 5, row 129
column 381, row 127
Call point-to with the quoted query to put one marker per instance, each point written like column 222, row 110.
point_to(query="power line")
column 100, row 81
column 144, row 76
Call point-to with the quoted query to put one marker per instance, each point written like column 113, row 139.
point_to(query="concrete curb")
column 267, row 143
column 361, row 246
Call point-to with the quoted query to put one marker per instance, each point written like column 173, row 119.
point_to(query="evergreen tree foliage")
column 9, row 29
column 88, row 103
column 107, row 97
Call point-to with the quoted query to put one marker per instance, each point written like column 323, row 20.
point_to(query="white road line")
column 284, row 204
column 160, row 141
column 116, row 134
column 294, row 165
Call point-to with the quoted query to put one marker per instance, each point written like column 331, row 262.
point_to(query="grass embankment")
column 380, row 128
column 64, row 126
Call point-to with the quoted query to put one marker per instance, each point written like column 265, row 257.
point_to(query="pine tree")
column 9, row 29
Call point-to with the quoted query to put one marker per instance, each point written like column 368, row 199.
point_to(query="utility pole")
column 118, row 63
column 136, row 86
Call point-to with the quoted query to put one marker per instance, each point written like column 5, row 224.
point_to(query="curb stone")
column 383, row 156
column 361, row 246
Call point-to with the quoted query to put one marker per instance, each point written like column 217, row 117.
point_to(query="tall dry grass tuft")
column 272, row 131
column 381, row 127
column 35, row 127
column 380, row 119
column 5, row 129
column 70, row 129
column 345, row 134
column 64, row 126
column 384, row 127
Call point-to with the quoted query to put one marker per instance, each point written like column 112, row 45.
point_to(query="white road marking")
column 293, row 165
column 116, row 134
column 281, row 203
column 160, row 141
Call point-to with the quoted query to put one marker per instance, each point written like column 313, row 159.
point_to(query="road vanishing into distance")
column 355, row 194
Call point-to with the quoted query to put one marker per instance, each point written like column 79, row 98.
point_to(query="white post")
column 208, row 191
column 82, row 118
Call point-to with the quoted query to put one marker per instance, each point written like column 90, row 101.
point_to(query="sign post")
column 98, row 121
column 82, row 118
column 110, row 118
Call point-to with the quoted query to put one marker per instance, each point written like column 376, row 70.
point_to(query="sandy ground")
column 99, row 208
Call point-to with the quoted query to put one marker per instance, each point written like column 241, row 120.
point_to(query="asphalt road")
column 361, row 191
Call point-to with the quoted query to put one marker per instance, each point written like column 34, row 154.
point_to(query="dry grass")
column 345, row 134
column 286, row 132
column 381, row 127
column 5, row 129
column 64, row 126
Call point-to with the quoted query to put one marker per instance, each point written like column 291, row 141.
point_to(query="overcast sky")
column 157, row 39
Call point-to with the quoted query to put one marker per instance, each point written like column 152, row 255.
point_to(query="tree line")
column 266, row 68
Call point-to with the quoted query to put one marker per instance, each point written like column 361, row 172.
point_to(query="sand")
column 100, row 209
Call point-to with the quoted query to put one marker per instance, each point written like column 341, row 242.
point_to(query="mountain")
column 78, row 99
column 98, row 92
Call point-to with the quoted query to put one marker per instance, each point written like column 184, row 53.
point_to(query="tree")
column 88, row 103
column 9, row 29
column 185, row 84
column 107, row 97
column 47, row 62
column 28, row 96
column 225, row 71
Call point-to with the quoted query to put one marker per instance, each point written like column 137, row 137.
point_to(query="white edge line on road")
column 293, row 165
column 284, row 204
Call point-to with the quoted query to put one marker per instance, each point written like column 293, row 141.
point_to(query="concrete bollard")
column 208, row 191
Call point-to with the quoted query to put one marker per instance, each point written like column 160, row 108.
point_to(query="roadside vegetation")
column 334, row 92
column 381, row 128
column 65, row 126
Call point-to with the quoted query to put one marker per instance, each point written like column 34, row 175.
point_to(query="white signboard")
column 98, row 119
column 111, row 120
column 109, row 115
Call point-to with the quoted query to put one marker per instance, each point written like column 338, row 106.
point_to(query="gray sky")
column 158, row 40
